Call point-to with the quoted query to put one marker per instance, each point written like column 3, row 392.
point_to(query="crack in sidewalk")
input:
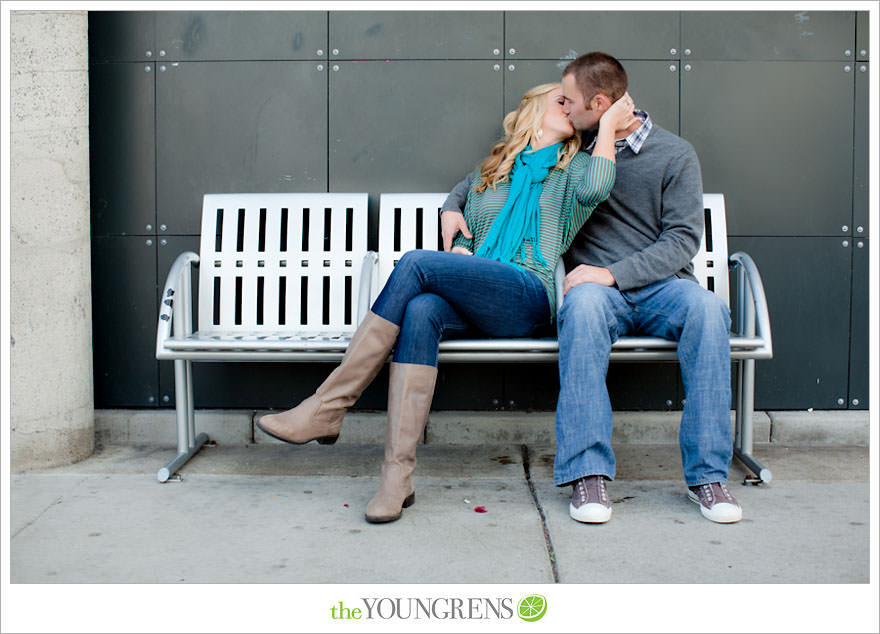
column 33, row 521
column 551, row 553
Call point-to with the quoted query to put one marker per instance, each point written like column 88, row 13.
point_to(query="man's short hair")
column 598, row 72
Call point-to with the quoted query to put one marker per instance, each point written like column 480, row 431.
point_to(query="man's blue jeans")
column 591, row 319
column 433, row 295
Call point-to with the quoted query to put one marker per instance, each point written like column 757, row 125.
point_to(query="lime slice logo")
column 532, row 608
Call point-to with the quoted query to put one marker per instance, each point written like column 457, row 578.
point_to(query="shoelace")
column 582, row 490
column 709, row 495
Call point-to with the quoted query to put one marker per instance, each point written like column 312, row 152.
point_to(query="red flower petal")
column 480, row 509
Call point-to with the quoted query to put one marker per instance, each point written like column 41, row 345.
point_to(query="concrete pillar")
column 52, row 406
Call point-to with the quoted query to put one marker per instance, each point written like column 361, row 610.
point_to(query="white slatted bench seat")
column 279, row 280
column 287, row 277
column 409, row 221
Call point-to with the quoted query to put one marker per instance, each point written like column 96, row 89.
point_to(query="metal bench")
column 287, row 277
column 409, row 221
column 279, row 280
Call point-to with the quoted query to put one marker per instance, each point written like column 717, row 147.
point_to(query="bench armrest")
column 369, row 281
column 177, row 293
column 753, row 317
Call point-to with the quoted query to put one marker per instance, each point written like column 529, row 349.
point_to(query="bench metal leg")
column 188, row 444
column 745, row 409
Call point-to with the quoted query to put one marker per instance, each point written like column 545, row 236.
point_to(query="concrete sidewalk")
column 271, row 513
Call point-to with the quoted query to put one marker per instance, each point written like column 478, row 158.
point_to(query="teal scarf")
column 519, row 221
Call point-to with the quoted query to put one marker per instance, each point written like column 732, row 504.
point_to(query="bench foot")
column 763, row 473
column 182, row 458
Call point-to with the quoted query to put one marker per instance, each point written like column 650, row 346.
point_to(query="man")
column 629, row 272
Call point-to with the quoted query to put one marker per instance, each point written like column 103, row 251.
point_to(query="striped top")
column 568, row 199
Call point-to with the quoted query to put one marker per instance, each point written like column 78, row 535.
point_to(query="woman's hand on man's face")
column 620, row 114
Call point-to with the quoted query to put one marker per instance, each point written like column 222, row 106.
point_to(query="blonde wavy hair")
column 521, row 127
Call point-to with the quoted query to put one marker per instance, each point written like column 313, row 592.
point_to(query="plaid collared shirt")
column 634, row 140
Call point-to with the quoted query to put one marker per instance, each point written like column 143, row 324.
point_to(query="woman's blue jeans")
column 591, row 319
column 434, row 295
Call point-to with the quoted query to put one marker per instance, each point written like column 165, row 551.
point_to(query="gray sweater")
column 650, row 226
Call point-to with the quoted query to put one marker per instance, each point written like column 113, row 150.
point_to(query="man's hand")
column 451, row 222
column 586, row 273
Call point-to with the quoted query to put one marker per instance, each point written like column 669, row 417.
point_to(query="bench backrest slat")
column 710, row 262
column 272, row 262
column 406, row 222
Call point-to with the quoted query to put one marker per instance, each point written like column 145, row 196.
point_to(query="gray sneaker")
column 589, row 500
column 716, row 502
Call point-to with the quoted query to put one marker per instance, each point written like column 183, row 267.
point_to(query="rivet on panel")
column 863, row 53
column 687, row 51
column 149, row 53
column 163, row 227
column 863, row 69
column 166, row 398
column 319, row 52
column 672, row 67
column 336, row 51
column 320, row 67
column 162, row 68
column 512, row 51
column 673, row 51
column 152, row 399
column 149, row 227
column 844, row 228
column 496, row 51
column 860, row 229
column 860, row 244
column 668, row 402
column 149, row 243
column 147, row 68
column 847, row 53
column 845, row 243
column 855, row 401
column 161, row 53
column 840, row 401
column 511, row 67
column 687, row 67
column 847, row 68
column 496, row 67
column 163, row 242
column 335, row 68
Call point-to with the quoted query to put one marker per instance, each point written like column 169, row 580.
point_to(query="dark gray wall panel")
column 416, row 34
column 863, row 39
column 859, row 356
column 783, row 159
column 122, row 36
column 861, row 179
column 445, row 122
column 124, row 317
column 237, row 127
column 563, row 35
column 807, row 281
column 241, row 35
column 122, row 149
column 768, row 35
column 653, row 85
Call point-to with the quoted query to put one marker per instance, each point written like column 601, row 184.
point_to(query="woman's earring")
column 540, row 133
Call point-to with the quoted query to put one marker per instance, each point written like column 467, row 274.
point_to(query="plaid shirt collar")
column 634, row 140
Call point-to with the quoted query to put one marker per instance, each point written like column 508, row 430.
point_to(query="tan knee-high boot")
column 410, row 391
column 319, row 417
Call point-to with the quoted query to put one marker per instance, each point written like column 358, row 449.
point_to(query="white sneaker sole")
column 722, row 513
column 590, row 513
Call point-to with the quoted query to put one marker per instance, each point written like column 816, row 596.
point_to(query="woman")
column 532, row 195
